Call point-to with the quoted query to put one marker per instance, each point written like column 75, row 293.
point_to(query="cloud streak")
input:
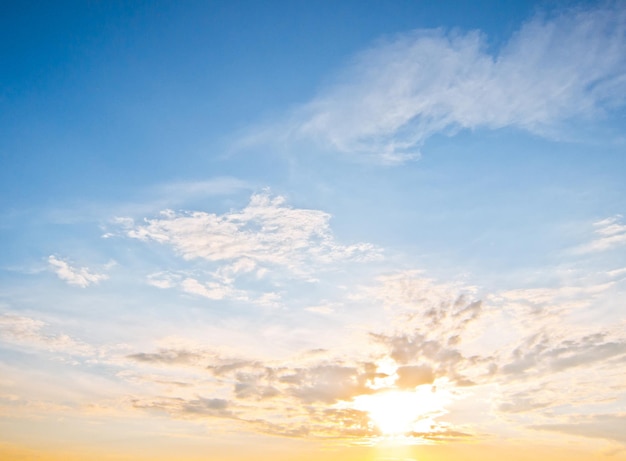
column 22, row 330
column 79, row 276
column 610, row 232
column 394, row 96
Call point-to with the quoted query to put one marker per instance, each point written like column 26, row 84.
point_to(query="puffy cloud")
column 330, row 383
column 412, row 292
column 266, row 233
column 81, row 276
column 424, row 359
column 431, row 333
column 299, row 395
column 425, row 308
column 395, row 95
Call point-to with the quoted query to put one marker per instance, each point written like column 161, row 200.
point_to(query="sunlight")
column 400, row 412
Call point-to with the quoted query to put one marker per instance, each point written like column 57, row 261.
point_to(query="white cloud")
column 617, row 272
column 325, row 308
column 265, row 233
column 605, row 426
column 211, row 290
column 163, row 280
column 400, row 92
column 566, row 296
column 421, row 302
column 80, row 276
column 611, row 233
column 23, row 330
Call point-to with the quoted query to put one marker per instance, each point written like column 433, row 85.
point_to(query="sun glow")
column 397, row 412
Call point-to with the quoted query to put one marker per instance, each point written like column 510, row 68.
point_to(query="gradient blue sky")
column 258, row 215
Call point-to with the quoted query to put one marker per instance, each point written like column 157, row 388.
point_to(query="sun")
column 392, row 412
column 396, row 412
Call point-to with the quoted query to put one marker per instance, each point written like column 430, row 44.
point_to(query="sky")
column 289, row 230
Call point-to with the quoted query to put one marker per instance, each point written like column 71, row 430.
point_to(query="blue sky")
column 283, row 223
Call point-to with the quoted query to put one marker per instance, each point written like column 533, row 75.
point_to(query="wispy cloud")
column 19, row 329
column 605, row 426
column 182, row 190
column 211, row 290
column 394, row 96
column 611, row 233
column 540, row 353
column 79, row 276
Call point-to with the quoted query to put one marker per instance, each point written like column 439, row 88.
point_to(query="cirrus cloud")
column 397, row 94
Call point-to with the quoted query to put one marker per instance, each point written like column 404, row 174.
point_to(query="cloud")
column 81, row 277
column 344, row 422
column 324, row 309
column 428, row 333
column 611, row 233
column 211, row 290
column 394, row 96
column 413, row 376
column 540, row 354
column 442, row 434
column 331, row 383
column 274, row 398
column 169, row 357
column 18, row 329
column 183, row 190
column 219, row 286
column 265, row 234
column 524, row 401
column 604, row 426
column 313, row 395
column 194, row 408
column 425, row 305
column 429, row 321
column 423, row 359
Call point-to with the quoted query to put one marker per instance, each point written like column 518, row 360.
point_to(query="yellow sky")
column 156, row 439
column 290, row 450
